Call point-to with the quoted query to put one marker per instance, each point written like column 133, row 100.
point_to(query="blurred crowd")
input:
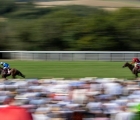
column 83, row 99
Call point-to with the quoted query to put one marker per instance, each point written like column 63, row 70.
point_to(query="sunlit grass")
column 71, row 69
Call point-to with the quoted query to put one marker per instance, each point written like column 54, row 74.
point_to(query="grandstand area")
column 81, row 99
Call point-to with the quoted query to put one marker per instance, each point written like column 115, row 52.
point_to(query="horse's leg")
column 137, row 75
column 4, row 77
column 13, row 76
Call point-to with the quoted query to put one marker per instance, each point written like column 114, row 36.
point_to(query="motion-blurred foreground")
column 83, row 99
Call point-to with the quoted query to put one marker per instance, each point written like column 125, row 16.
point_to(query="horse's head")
column 126, row 65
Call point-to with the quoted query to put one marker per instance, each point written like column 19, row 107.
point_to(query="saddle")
column 6, row 71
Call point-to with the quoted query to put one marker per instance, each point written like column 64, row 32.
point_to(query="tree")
column 7, row 6
column 4, row 36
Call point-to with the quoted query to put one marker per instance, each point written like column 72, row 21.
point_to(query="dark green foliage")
column 68, row 28
column 7, row 6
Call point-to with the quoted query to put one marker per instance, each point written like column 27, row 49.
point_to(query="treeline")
column 26, row 27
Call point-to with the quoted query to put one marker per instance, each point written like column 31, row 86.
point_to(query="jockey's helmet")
column 136, row 60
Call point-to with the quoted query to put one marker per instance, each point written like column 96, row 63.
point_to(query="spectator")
column 9, row 111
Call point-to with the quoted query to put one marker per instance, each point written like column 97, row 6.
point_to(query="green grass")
column 71, row 69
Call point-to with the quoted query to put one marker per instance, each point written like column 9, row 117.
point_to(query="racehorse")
column 14, row 72
column 131, row 67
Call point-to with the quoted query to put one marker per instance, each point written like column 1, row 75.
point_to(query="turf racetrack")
column 71, row 69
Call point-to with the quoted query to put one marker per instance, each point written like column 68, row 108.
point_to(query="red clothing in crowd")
column 14, row 113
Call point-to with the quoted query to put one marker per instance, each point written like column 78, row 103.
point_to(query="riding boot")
column 136, row 70
column 133, row 70
column 6, row 71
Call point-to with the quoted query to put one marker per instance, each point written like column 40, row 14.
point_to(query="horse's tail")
column 20, row 74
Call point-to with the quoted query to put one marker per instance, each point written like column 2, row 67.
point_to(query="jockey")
column 6, row 67
column 136, row 63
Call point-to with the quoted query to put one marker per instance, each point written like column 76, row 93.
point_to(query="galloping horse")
column 14, row 72
column 131, row 67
